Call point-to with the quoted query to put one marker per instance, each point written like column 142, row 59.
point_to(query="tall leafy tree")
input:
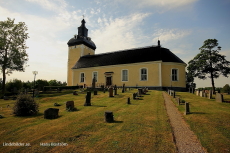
column 13, row 56
column 190, row 81
column 209, row 62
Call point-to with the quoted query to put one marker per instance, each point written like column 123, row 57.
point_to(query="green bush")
column 25, row 106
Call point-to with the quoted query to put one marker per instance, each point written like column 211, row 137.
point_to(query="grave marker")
column 51, row 113
column 219, row 97
column 88, row 99
column 111, row 92
column 109, row 116
column 128, row 101
column 187, row 110
column 115, row 90
column 69, row 105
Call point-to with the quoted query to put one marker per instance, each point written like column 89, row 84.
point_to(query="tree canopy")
column 13, row 56
column 209, row 62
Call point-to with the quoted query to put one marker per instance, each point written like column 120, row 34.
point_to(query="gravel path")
column 186, row 141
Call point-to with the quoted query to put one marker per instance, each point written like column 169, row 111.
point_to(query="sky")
column 181, row 25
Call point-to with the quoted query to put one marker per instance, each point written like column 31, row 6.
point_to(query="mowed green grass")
column 141, row 127
column 210, row 120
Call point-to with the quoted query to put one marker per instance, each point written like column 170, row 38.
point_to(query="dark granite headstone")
column 115, row 90
column 134, row 96
column 109, row 116
column 69, row 105
column 51, row 113
column 123, row 88
column 110, row 92
column 93, row 83
column 187, row 110
column 128, row 101
column 139, row 91
column 88, row 99
column 95, row 92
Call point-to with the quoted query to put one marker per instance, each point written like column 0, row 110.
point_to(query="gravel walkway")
column 186, row 141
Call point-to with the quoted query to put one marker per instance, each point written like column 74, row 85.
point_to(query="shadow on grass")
column 98, row 106
column 139, row 99
column 197, row 113
column 32, row 116
column 115, row 122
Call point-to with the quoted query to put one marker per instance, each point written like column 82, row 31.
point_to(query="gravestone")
column 134, row 96
column 88, row 99
column 93, row 83
column 95, row 92
column 210, row 94
column 178, row 101
column 139, row 92
column 219, row 97
column 115, row 90
column 189, row 90
column 128, row 101
column 109, row 116
column 187, row 109
column 198, row 92
column 51, row 113
column 201, row 94
column 75, row 93
column 205, row 94
column 174, row 94
column 123, row 88
column 110, row 92
column 69, row 105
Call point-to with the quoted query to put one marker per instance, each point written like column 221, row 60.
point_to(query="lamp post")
column 35, row 73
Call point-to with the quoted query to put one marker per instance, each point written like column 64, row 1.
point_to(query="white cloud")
column 165, row 4
column 54, row 5
column 166, row 35
column 117, row 34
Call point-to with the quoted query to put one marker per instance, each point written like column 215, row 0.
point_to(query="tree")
column 13, row 56
column 54, row 83
column 190, row 81
column 226, row 89
column 14, row 84
column 41, row 83
column 209, row 62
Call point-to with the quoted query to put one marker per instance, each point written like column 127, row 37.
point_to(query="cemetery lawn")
column 142, row 126
column 210, row 120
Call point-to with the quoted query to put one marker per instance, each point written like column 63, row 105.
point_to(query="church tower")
column 78, row 46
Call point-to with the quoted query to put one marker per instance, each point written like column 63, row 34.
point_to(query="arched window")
column 143, row 74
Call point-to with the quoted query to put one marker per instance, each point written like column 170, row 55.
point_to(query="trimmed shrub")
column 25, row 106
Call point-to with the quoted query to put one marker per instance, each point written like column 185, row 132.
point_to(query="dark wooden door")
column 108, row 81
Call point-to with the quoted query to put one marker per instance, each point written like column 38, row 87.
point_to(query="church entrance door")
column 108, row 81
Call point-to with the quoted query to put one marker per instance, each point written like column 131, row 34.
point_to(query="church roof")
column 137, row 55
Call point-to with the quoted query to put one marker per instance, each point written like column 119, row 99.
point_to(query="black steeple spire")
column 82, row 30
